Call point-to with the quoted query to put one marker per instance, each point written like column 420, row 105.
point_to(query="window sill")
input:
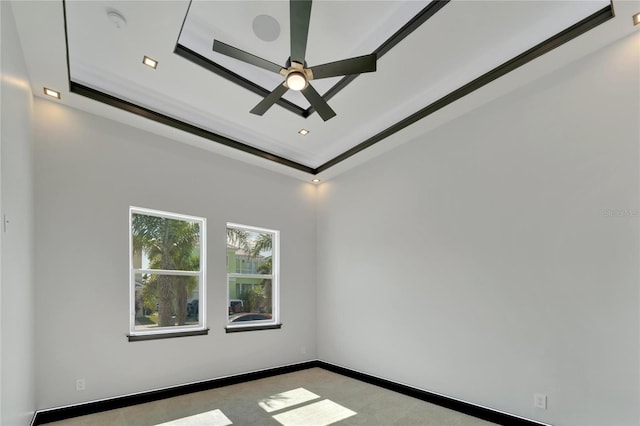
column 156, row 336
column 253, row 328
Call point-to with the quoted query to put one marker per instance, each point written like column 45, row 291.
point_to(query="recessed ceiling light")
column 303, row 132
column 316, row 180
column 52, row 93
column 636, row 19
column 150, row 62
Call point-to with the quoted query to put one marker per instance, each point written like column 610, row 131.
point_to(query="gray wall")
column 17, row 391
column 497, row 257
column 89, row 170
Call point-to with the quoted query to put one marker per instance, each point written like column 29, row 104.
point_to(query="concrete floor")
column 313, row 397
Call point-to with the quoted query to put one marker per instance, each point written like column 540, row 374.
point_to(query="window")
column 252, row 278
column 167, row 274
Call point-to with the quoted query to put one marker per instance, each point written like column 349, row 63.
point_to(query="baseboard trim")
column 92, row 407
column 61, row 413
column 477, row 411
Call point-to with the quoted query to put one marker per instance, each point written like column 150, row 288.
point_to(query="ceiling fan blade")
column 357, row 65
column 299, row 16
column 269, row 100
column 243, row 56
column 318, row 103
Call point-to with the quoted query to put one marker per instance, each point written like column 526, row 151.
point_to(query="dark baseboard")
column 433, row 398
column 62, row 413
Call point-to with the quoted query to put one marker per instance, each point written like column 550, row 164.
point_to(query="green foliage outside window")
column 168, row 245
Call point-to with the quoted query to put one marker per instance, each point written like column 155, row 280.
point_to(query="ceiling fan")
column 297, row 74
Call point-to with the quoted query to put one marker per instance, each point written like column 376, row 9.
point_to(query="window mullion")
column 259, row 276
column 167, row 272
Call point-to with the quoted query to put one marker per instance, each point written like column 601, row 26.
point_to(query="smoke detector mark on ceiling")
column 116, row 18
column 266, row 27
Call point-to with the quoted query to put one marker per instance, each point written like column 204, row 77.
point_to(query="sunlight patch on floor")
column 321, row 413
column 287, row 399
column 210, row 418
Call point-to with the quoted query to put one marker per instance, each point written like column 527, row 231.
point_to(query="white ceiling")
column 462, row 41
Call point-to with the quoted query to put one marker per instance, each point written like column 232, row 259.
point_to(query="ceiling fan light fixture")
column 296, row 81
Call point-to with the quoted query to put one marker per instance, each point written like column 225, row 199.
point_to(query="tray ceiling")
column 429, row 55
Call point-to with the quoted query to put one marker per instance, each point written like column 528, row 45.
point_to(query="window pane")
column 250, row 295
column 249, row 252
column 166, row 301
column 250, row 280
column 161, row 243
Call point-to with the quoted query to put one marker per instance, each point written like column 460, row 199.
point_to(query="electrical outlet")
column 540, row 401
column 81, row 385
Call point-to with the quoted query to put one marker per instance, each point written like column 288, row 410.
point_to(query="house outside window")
column 167, row 259
column 252, row 277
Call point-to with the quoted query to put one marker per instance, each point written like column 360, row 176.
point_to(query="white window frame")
column 274, row 277
column 201, row 274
